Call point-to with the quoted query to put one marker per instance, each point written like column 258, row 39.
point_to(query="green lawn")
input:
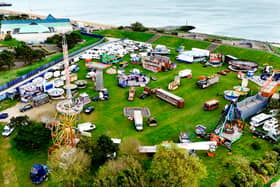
column 7, row 103
column 260, row 57
column 9, row 75
column 109, row 119
column 276, row 49
column 172, row 41
column 10, row 43
column 138, row 36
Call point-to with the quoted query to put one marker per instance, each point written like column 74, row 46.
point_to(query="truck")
column 205, row 82
column 138, row 120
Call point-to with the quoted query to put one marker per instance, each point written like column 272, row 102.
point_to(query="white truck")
column 138, row 120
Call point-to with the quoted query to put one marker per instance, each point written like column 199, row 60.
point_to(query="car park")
column 25, row 108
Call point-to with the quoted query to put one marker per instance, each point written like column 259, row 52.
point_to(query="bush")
column 256, row 165
column 8, row 37
column 269, row 168
column 277, row 149
column 174, row 33
column 139, row 27
column 263, row 171
column 120, row 27
column 227, row 183
column 186, row 28
column 256, row 146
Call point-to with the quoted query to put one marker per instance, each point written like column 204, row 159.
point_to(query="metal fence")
column 34, row 72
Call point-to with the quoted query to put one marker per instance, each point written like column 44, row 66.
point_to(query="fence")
column 34, row 72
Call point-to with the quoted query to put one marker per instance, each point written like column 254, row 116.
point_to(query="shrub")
column 256, row 146
column 120, row 27
column 137, row 26
column 269, row 168
column 256, row 165
column 277, row 149
column 8, row 37
column 263, row 171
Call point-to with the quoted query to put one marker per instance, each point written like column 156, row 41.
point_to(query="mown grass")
column 276, row 49
column 9, row 75
column 109, row 119
column 10, row 43
column 261, row 57
column 7, row 103
column 138, row 36
column 172, row 41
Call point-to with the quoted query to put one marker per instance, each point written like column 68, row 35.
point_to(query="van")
column 138, row 120
column 83, row 127
column 259, row 119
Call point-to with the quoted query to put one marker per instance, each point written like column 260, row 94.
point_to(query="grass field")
column 109, row 119
column 175, row 42
column 138, row 36
column 10, row 43
column 260, row 57
column 276, row 49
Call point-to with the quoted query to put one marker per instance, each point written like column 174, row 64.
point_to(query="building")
column 35, row 30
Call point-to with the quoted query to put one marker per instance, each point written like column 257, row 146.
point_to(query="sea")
column 251, row 19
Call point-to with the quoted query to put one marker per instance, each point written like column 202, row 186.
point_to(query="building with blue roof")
column 35, row 30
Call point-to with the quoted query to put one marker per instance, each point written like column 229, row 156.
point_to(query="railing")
column 71, row 55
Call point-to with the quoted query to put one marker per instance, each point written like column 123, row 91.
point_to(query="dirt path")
column 35, row 114
column 7, row 164
column 154, row 38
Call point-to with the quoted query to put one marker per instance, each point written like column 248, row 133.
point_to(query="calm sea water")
column 253, row 19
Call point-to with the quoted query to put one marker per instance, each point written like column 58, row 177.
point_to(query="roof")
column 49, row 19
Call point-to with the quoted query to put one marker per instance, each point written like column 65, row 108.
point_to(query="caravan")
column 138, row 120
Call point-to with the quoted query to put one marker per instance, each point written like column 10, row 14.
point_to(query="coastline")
column 73, row 21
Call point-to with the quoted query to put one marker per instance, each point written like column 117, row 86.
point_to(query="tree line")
column 100, row 162
column 22, row 52
column 72, row 39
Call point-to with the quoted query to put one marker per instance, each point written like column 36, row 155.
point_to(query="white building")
column 35, row 30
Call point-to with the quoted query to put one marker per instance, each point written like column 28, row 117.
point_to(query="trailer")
column 138, row 120
column 205, row 82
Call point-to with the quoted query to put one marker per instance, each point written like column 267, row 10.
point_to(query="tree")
column 173, row 166
column 186, row 28
column 7, row 58
column 129, row 146
column 69, row 165
column 25, row 53
column 8, row 37
column 122, row 172
column 137, row 26
column 243, row 174
column 38, row 54
column 104, row 150
column 20, row 121
column 31, row 137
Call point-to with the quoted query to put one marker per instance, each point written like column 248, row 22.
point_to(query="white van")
column 259, row 119
column 83, row 127
column 138, row 120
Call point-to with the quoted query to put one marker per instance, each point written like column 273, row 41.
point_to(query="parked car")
column 3, row 115
column 7, row 131
column 144, row 95
column 25, row 108
column 184, row 137
column 84, row 127
column 89, row 110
